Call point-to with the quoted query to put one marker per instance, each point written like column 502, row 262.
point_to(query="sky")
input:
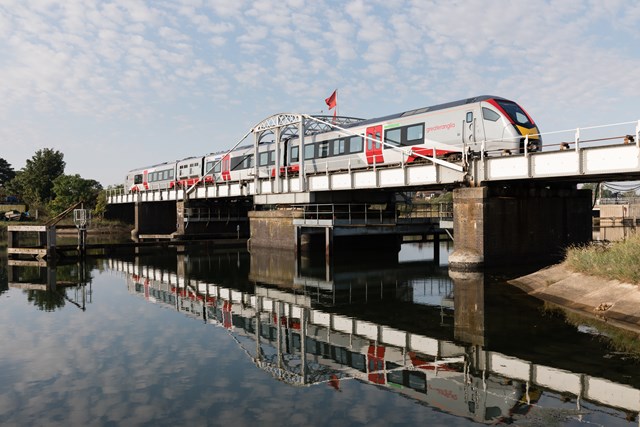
column 120, row 84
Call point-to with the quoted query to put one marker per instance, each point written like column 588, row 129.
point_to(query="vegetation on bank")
column 618, row 261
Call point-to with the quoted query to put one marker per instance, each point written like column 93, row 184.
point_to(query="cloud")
column 130, row 64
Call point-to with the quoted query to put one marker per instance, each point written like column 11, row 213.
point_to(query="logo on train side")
column 437, row 128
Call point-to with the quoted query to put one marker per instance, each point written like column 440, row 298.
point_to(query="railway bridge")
column 506, row 209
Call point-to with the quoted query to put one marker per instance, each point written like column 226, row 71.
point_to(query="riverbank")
column 611, row 301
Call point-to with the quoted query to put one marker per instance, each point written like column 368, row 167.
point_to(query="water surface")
column 232, row 338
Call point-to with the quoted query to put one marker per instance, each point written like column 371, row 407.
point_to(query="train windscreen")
column 516, row 113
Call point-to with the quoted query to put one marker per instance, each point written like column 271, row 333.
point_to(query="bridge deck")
column 611, row 162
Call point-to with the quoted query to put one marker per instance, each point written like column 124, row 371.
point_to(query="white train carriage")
column 189, row 171
column 236, row 165
column 156, row 177
column 495, row 125
column 491, row 124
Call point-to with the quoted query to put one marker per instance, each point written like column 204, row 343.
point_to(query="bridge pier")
column 275, row 229
column 517, row 224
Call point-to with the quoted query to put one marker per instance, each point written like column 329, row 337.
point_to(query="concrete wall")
column 273, row 229
column 517, row 225
column 617, row 222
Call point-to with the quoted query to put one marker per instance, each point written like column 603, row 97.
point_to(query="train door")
column 472, row 130
column 373, row 146
column 226, row 168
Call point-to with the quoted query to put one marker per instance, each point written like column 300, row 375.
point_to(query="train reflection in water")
column 312, row 330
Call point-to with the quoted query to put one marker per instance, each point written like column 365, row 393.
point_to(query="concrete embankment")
column 608, row 300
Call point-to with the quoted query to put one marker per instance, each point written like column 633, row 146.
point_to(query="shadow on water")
column 464, row 345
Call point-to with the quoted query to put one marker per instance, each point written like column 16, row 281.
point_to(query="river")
column 210, row 337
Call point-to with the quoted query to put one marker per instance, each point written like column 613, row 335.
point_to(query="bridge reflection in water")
column 306, row 329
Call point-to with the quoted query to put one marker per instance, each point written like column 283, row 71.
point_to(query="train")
column 489, row 124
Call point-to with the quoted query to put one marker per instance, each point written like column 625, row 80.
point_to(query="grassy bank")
column 618, row 261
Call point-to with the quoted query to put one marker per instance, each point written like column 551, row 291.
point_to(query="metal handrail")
column 357, row 213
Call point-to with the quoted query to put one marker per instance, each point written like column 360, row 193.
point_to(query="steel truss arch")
column 288, row 123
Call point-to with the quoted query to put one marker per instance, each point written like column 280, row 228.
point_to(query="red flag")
column 332, row 101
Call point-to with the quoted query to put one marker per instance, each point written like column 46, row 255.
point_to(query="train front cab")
column 520, row 125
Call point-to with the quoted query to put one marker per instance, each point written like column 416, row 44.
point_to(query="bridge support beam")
column 517, row 224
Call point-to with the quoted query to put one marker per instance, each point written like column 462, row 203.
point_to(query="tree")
column 71, row 189
column 34, row 182
column 6, row 172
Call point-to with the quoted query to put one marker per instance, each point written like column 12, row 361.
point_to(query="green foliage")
column 619, row 261
column 34, row 183
column 70, row 189
column 101, row 205
column 6, row 172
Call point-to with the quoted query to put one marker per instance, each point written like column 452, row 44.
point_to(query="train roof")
column 241, row 147
column 173, row 162
column 425, row 109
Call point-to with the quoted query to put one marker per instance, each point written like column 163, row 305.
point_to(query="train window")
column 359, row 362
column 323, row 149
column 415, row 134
column 272, row 157
column 137, row 179
column 264, row 159
column 469, row 117
column 338, row 147
column 418, row 381
column 237, row 163
column 490, row 115
column 355, row 144
column 170, row 173
column 309, row 151
column 295, row 154
column 248, row 161
column 515, row 112
column 393, row 136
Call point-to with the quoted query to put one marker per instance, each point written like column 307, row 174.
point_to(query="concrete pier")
column 273, row 229
column 500, row 226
